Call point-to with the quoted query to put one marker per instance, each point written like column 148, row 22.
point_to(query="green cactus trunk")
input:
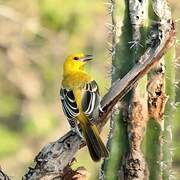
column 169, row 113
column 140, row 136
column 118, row 138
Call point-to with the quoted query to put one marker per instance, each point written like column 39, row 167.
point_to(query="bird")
column 80, row 99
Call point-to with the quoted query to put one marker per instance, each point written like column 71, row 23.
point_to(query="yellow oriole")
column 81, row 102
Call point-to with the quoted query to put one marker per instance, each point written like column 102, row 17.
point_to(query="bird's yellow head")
column 76, row 62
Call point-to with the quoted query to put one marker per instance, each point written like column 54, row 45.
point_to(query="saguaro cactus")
column 140, row 135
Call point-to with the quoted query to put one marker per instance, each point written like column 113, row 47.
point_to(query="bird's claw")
column 101, row 109
column 77, row 131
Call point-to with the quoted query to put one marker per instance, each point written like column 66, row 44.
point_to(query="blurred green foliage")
column 35, row 37
column 69, row 15
column 10, row 142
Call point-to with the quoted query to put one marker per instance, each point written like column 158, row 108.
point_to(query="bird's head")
column 76, row 61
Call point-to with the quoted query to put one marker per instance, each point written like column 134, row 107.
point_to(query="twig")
column 53, row 159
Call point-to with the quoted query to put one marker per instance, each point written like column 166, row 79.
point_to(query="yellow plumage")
column 75, row 78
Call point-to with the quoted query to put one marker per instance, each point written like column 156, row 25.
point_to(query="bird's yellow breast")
column 76, row 82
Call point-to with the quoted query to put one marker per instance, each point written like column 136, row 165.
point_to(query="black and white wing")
column 69, row 105
column 91, row 100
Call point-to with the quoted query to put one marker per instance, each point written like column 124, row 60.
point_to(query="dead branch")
column 53, row 160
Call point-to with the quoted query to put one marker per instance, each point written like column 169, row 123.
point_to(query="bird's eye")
column 76, row 58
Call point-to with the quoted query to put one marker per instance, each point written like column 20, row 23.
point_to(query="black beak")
column 87, row 58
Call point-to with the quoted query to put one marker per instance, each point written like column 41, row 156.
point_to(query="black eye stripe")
column 76, row 58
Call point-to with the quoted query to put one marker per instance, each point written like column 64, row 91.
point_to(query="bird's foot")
column 77, row 131
column 101, row 109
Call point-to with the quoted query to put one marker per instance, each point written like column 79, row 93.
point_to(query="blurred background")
column 35, row 38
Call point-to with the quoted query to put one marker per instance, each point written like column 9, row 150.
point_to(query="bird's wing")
column 69, row 105
column 91, row 100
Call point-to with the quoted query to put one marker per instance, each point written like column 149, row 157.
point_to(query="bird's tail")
column 95, row 145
